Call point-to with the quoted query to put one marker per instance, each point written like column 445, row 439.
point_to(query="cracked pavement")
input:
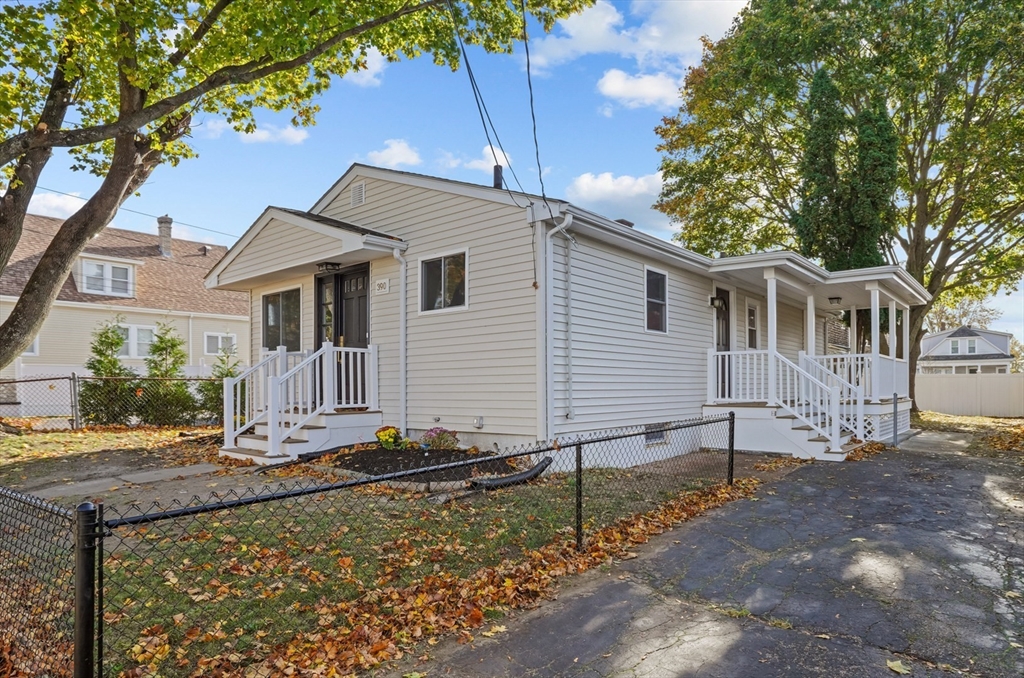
column 915, row 556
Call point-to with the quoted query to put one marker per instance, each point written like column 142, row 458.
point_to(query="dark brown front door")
column 355, row 329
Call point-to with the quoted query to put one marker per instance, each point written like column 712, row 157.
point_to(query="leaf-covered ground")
column 993, row 437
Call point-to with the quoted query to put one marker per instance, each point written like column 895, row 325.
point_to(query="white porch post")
column 853, row 329
column 329, row 375
column 772, row 335
column 892, row 343
column 712, row 376
column 282, row 360
column 229, row 411
column 809, row 341
column 876, row 337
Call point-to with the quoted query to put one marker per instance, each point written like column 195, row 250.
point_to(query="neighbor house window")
column 137, row 341
column 32, row 350
column 752, row 321
column 657, row 300
column 972, row 346
column 954, row 347
column 216, row 343
column 282, row 320
column 443, row 282
column 112, row 279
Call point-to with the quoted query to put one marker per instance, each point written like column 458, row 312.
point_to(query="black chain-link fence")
column 205, row 585
column 37, row 558
column 56, row 402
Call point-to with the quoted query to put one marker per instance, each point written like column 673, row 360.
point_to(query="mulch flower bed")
column 375, row 460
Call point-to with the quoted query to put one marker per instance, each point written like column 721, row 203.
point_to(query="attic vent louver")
column 358, row 194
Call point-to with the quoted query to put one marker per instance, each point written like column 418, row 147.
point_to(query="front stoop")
column 764, row 428
column 323, row 432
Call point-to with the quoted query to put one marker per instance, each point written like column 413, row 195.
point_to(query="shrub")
column 110, row 398
column 440, row 438
column 389, row 437
column 211, row 392
column 166, row 401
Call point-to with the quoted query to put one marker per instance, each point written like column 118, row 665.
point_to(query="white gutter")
column 403, row 403
column 549, row 324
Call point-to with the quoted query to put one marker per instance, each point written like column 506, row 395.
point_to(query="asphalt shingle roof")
column 172, row 283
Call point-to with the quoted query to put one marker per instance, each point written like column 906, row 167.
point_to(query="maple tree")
column 951, row 78
column 118, row 83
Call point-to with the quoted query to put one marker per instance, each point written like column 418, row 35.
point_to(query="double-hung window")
column 954, row 347
column 107, row 278
column 282, row 320
column 32, row 350
column 972, row 345
column 137, row 341
column 443, row 282
column 217, row 343
column 657, row 301
column 752, row 320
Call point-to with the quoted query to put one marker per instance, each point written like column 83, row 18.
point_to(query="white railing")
column 332, row 378
column 850, row 409
column 292, row 358
column 810, row 400
column 737, row 376
column 245, row 396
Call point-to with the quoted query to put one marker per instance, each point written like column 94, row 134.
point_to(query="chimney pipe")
column 497, row 176
column 164, row 228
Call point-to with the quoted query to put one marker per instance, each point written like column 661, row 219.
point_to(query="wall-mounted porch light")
column 328, row 266
column 717, row 303
column 835, row 301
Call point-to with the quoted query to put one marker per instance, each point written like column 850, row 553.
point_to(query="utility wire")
column 151, row 216
column 533, row 113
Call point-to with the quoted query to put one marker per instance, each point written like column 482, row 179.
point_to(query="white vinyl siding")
column 480, row 362
column 622, row 374
column 278, row 242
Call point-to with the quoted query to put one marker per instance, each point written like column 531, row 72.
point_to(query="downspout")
column 549, row 323
column 402, row 352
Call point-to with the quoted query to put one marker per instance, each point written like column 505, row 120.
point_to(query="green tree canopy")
column 118, row 82
column 951, row 76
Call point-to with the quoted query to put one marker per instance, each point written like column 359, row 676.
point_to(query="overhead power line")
column 144, row 214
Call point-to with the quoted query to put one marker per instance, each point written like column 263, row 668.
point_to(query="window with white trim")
column 217, row 342
column 656, row 311
column 115, row 280
column 33, row 349
column 752, row 323
column 654, row 434
column 443, row 282
column 282, row 320
column 972, row 345
column 137, row 341
column 954, row 347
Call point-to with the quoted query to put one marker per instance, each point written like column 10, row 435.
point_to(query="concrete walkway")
column 915, row 556
column 103, row 485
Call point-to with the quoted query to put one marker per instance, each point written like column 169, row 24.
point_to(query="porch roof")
column 802, row 278
column 342, row 244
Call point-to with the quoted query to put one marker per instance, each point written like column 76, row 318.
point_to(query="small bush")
column 109, row 399
column 166, row 401
column 389, row 437
column 440, row 438
column 211, row 392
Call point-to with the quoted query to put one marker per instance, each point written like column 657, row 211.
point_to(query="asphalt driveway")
column 915, row 556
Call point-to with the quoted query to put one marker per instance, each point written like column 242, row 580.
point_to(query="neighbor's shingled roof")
column 165, row 283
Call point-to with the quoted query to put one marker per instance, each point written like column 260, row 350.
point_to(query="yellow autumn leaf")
column 858, row 539
column 495, row 629
column 898, row 666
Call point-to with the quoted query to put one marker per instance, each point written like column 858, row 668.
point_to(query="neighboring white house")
column 144, row 280
column 965, row 350
column 417, row 301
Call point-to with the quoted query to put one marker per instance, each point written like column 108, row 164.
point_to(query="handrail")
column 850, row 407
column 737, row 376
column 241, row 393
column 810, row 400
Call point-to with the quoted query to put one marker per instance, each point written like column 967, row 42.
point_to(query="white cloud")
column 622, row 197
column 485, row 163
column 634, row 91
column 396, row 152
column 55, row 204
column 214, row 128
column 371, row 75
column 272, row 134
column 661, row 38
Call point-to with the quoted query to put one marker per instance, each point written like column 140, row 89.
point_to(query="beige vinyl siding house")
column 140, row 279
column 526, row 319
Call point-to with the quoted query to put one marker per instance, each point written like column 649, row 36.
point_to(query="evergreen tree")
column 821, row 205
column 872, row 185
column 167, row 399
column 108, row 397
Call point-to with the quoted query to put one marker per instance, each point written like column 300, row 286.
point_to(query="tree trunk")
column 128, row 168
column 917, row 315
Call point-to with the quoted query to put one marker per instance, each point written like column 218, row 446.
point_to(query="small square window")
column 33, row 349
column 657, row 301
column 655, row 434
column 443, row 282
column 119, row 279
column 216, row 343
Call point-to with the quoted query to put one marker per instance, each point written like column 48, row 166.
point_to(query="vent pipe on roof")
column 624, row 222
column 498, row 183
column 164, row 228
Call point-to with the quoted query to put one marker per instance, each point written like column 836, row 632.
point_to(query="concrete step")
column 258, row 456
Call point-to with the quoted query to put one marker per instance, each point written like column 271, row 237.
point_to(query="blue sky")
column 602, row 81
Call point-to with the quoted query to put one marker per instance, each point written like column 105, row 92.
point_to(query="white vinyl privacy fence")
column 989, row 395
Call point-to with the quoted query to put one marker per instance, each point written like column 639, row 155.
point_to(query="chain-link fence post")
column 732, row 445
column 76, row 413
column 85, row 590
column 579, row 496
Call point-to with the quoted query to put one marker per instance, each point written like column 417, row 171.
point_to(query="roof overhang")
column 352, row 248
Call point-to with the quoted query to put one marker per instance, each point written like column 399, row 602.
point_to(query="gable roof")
column 335, row 223
column 963, row 332
column 172, row 283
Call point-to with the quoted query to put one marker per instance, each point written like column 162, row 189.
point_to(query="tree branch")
column 197, row 36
